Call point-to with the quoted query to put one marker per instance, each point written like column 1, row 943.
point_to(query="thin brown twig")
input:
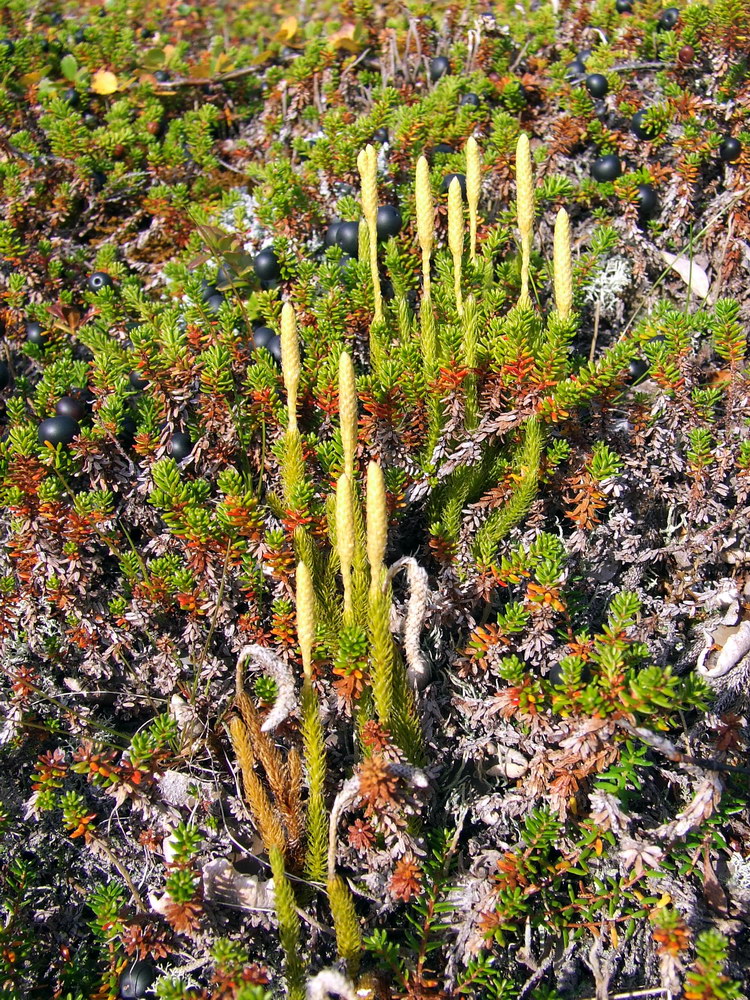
column 720, row 266
column 356, row 62
column 202, row 81
column 519, row 57
column 597, row 316
column 228, row 166
column 670, row 751
column 658, row 991
column 137, row 898
column 627, row 67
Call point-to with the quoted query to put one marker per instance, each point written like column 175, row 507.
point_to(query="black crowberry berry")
column 389, row 222
column 461, row 180
column 730, row 149
column 668, row 19
column 606, row 168
column 597, row 85
column 99, row 280
column 637, row 370
column 136, row 980
column 348, row 237
column 83, row 393
column 574, row 68
column 439, row 67
column 215, row 302
column 266, row 265
column 34, row 334
column 67, row 406
column 263, row 336
column 180, row 445
column 640, row 128
column 57, row 430
column 331, row 234
column 648, row 203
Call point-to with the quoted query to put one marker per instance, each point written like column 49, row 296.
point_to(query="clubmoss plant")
column 552, row 447
column 524, row 211
column 367, row 165
column 379, row 604
column 456, row 237
column 312, row 731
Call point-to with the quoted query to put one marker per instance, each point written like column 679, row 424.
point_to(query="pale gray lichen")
column 607, row 286
column 417, row 669
column 330, row 982
column 739, row 868
column 281, row 672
